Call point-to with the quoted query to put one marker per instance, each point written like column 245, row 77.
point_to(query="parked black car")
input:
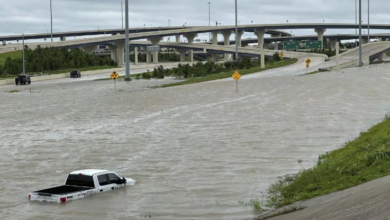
column 75, row 74
column 22, row 79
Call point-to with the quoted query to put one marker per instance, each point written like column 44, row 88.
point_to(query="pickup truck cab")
column 22, row 79
column 81, row 184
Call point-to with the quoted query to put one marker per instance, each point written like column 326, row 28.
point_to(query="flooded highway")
column 195, row 151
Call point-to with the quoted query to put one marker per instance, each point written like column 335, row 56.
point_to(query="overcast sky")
column 33, row 16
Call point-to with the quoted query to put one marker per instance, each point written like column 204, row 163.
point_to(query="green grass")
column 13, row 55
column 229, row 74
column 13, row 91
column 361, row 160
column 388, row 53
column 311, row 73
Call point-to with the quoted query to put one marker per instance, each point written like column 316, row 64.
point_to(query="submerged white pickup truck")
column 81, row 184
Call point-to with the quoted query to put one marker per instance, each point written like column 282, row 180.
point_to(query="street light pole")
column 355, row 21
column 360, row 33
column 51, row 22
column 24, row 71
column 169, row 23
column 368, row 31
column 122, row 12
column 236, row 35
column 127, row 44
column 209, row 21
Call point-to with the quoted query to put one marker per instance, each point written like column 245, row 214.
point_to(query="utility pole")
column 355, row 21
column 236, row 35
column 24, row 71
column 209, row 22
column 127, row 44
column 360, row 33
column 51, row 22
column 122, row 12
column 368, row 32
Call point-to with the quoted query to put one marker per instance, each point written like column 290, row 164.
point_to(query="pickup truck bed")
column 61, row 190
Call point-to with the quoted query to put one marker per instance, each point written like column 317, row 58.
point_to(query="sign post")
column 307, row 61
column 114, row 76
column 236, row 76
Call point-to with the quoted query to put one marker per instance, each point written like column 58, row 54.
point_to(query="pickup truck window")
column 80, row 180
column 113, row 178
column 103, row 180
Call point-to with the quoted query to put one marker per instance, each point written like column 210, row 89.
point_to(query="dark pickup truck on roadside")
column 23, row 79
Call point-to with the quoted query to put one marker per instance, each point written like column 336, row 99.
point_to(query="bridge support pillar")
column 120, row 53
column 4, row 42
column 63, row 38
column 148, row 57
column 190, row 39
column 260, row 37
column 182, row 53
column 333, row 43
column 226, row 40
column 320, row 32
column 135, row 55
column 89, row 49
column 215, row 38
column 155, row 41
column 113, row 49
column 262, row 59
column 239, row 37
column 177, row 38
column 214, row 57
column 276, row 43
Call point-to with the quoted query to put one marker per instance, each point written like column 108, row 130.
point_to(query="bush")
column 146, row 75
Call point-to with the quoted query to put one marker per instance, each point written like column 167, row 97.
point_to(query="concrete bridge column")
column 214, row 57
column 182, row 53
column 333, row 43
column 190, row 39
column 135, row 55
column 177, row 38
column 148, row 57
column 320, row 33
column 113, row 49
column 226, row 39
column 238, row 37
column 276, row 43
column 155, row 41
column 262, row 59
column 62, row 38
column 120, row 53
column 89, row 49
column 260, row 37
column 4, row 42
column 215, row 38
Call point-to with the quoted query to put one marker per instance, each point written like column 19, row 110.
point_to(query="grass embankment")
column 361, row 160
column 8, row 76
column 12, row 55
column 388, row 53
column 229, row 74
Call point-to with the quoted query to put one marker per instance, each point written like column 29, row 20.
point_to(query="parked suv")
column 75, row 74
column 22, row 79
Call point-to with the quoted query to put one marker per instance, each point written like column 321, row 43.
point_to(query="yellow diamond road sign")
column 308, row 61
column 236, row 76
column 114, row 75
column 307, row 65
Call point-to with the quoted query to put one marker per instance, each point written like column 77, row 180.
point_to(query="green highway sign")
column 290, row 45
column 313, row 44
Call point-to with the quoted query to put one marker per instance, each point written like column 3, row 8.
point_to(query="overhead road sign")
column 313, row 44
column 152, row 48
column 291, row 45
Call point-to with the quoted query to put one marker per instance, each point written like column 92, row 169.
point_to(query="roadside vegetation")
column 201, row 72
column 51, row 60
column 361, row 160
